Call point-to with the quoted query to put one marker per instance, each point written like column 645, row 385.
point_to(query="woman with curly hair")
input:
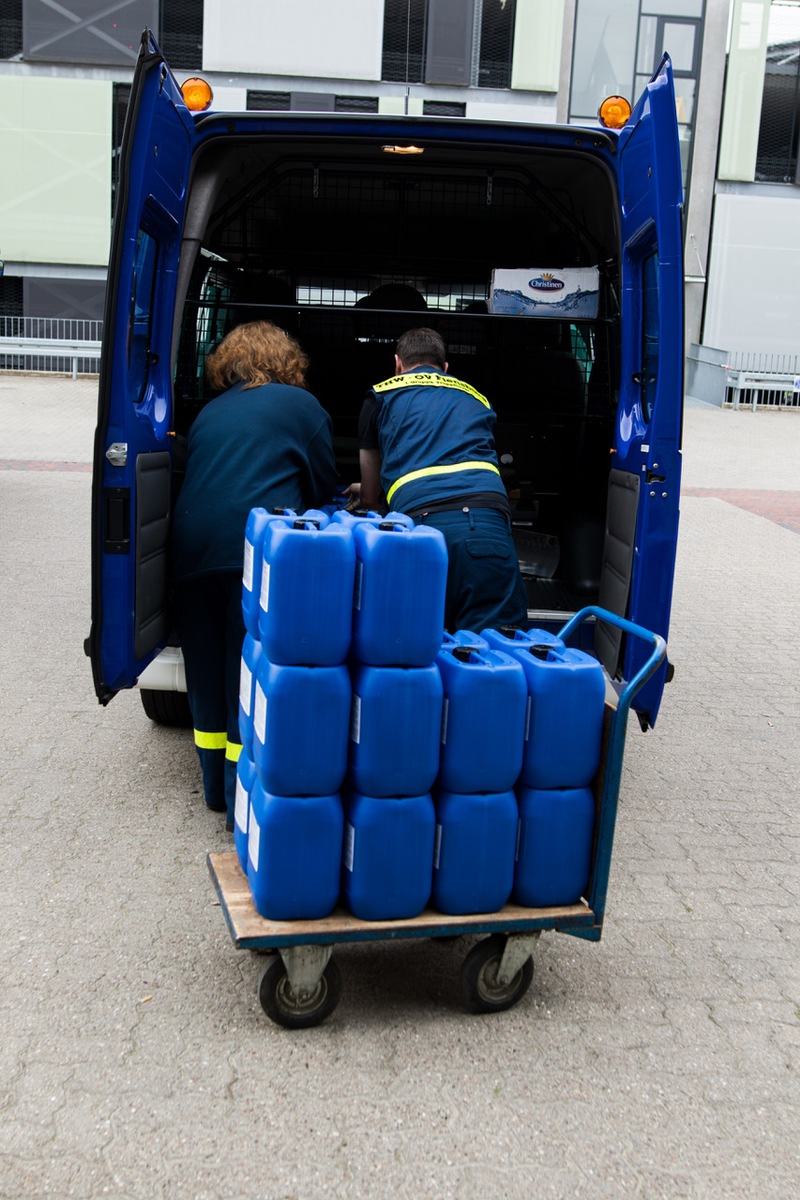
column 264, row 442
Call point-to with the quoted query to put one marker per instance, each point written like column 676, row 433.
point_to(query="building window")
column 456, row 42
column 618, row 46
column 443, row 108
column 269, row 101
column 779, row 130
column 10, row 28
column 181, row 34
column 367, row 104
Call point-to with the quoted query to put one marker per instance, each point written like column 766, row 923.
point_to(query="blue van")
column 548, row 257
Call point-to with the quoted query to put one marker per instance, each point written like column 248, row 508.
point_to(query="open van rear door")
column 643, row 503
column 132, row 455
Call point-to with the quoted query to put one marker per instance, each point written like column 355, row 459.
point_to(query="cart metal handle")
column 614, row 753
column 650, row 666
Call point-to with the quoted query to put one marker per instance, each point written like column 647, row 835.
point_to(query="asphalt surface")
column 135, row 1060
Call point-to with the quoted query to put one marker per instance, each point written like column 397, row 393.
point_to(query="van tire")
column 167, row 708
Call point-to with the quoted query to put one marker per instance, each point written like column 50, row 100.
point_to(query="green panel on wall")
column 55, row 185
column 537, row 45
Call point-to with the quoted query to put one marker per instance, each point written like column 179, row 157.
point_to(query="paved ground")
column 135, row 1061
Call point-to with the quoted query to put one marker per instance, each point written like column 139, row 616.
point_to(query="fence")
column 759, row 381
column 55, row 345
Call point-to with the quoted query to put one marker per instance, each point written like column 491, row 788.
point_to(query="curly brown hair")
column 255, row 353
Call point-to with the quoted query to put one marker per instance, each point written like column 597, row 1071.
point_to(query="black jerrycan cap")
column 309, row 523
column 463, row 654
column 540, row 651
column 391, row 525
column 508, row 631
column 280, row 511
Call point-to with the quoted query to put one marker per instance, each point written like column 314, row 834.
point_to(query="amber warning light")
column 197, row 95
column 614, row 112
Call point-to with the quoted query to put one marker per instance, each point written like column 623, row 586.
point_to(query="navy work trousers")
column 210, row 626
column 484, row 585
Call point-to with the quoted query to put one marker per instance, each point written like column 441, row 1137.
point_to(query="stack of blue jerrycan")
column 288, row 823
column 561, row 756
column 482, row 734
column 398, row 618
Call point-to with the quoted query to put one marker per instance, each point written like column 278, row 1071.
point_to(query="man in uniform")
column 426, row 445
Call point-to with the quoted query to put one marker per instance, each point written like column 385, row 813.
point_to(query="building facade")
column 65, row 74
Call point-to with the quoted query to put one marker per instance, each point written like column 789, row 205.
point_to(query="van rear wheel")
column 167, row 708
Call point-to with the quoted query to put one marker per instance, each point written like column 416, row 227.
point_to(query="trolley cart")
column 301, row 984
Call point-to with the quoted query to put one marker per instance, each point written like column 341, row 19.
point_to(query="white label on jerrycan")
column 247, row 571
column 242, row 805
column 355, row 719
column 349, row 847
column 245, row 688
column 253, row 841
column 264, row 601
column 260, row 715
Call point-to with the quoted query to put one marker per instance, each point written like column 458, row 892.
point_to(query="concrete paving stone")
column 665, row 1045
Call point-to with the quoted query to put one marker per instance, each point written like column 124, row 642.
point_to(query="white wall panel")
column 333, row 39
column 538, row 30
column 55, row 182
column 753, row 300
column 533, row 114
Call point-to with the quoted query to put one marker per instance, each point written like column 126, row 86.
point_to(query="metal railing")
column 759, row 381
column 52, row 345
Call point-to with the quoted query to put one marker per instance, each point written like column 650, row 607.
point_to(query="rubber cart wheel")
column 284, row 1008
column 479, row 987
column 167, row 708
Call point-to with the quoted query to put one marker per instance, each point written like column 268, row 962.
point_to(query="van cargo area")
column 346, row 243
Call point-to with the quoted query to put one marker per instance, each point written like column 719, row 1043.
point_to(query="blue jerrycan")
column 395, row 718
column 294, row 852
column 566, row 690
column 300, row 723
column 357, row 516
column 251, row 655
column 464, row 637
column 254, row 531
column 398, row 600
column 306, row 598
column 387, row 856
column 554, row 846
column 245, row 775
column 483, row 720
column 473, row 852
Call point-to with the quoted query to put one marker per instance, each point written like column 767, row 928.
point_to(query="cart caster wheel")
column 479, row 987
column 283, row 1007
